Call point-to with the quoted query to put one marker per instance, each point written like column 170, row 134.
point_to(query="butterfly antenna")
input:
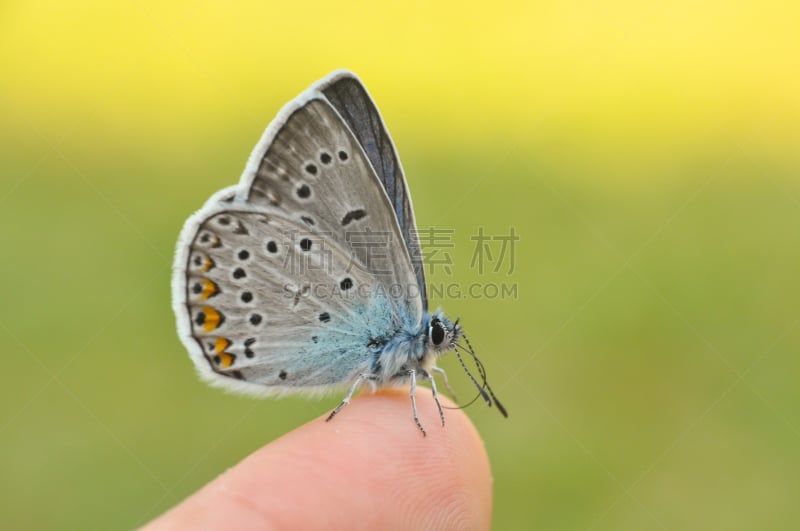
column 482, row 372
column 479, row 386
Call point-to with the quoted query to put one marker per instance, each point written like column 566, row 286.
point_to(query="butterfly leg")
column 413, row 376
column 361, row 378
column 443, row 374
column 435, row 394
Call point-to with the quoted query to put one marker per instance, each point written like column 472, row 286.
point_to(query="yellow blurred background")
column 645, row 153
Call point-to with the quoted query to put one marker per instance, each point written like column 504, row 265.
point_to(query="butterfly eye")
column 437, row 332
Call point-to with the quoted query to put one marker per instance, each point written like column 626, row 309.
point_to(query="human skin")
column 368, row 468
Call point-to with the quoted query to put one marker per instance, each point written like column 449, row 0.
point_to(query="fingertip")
column 368, row 467
column 444, row 479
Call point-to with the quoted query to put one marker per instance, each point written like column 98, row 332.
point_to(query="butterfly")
column 308, row 276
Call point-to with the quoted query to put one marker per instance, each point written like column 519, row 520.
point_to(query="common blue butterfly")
column 307, row 276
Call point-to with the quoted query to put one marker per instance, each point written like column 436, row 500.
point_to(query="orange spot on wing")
column 208, row 265
column 225, row 359
column 221, row 344
column 213, row 319
column 209, row 289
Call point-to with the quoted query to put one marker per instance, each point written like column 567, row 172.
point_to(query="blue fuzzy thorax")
column 408, row 349
column 381, row 340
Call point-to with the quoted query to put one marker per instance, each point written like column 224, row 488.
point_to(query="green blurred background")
column 647, row 156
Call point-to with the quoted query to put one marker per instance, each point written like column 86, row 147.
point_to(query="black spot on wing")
column 240, row 228
column 353, row 215
column 304, row 192
column 247, row 344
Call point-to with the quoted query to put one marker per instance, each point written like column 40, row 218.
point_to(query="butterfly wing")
column 266, row 306
column 312, row 166
column 251, row 262
column 352, row 101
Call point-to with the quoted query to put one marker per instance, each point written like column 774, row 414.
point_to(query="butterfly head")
column 444, row 335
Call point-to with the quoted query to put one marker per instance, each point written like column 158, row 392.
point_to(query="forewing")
column 311, row 166
column 350, row 98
